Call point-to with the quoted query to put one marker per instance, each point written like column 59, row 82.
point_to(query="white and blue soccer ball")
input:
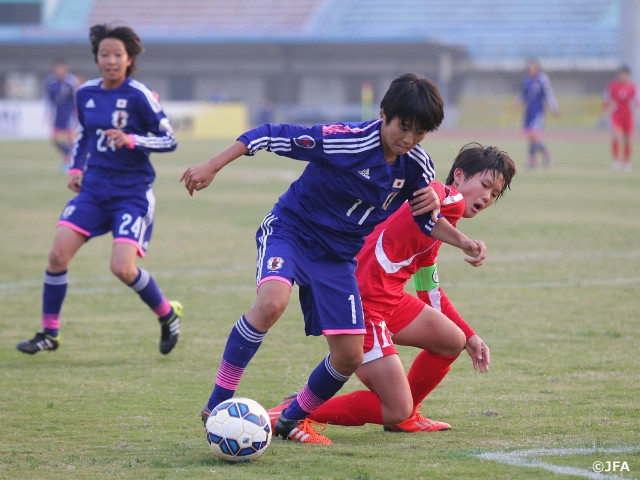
column 239, row 430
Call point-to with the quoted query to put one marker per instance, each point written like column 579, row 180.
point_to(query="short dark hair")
column 415, row 101
column 474, row 158
column 126, row 35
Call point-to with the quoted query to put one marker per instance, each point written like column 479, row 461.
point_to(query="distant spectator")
column 265, row 113
column 217, row 95
column 59, row 92
column 535, row 94
column 619, row 96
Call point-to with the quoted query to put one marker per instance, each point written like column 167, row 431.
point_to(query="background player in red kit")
column 619, row 97
column 392, row 253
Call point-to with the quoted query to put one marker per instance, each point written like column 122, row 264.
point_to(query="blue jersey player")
column 120, row 123
column 535, row 94
column 357, row 175
column 59, row 93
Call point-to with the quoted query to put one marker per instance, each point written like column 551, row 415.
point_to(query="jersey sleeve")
column 294, row 141
column 548, row 93
column 160, row 136
column 80, row 146
column 437, row 298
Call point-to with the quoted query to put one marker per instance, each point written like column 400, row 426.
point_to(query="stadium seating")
column 499, row 29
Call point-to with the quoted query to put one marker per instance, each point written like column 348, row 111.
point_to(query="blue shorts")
column 329, row 295
column 534, row 121
column 129, row 218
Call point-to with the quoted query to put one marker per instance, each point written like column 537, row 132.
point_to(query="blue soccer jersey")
column 60, row 98
column 534, row 93
column 132, row 108
column 348, row 187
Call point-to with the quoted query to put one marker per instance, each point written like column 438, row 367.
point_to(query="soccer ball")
column 238, row 430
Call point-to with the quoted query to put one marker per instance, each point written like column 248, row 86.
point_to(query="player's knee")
column 455, row 343
column 58, row 260
column 124, row 272
column 347, row 363
column 400, row 412
column 267, row 310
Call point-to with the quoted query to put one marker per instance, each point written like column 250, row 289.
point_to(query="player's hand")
column 424, row 201
column 198, row 176
column 75, row 182
column 476, row 251
column 479, row 353
column 117, row 138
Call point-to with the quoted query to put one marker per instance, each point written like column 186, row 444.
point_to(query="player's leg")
column 616, row 142
column 245, row 339
column 132, row 219
column 442, row 342
column 627, row 133
column 66, row 243
column 275, row 266
column 61, row 140
column 388, row 400
column 330, row 301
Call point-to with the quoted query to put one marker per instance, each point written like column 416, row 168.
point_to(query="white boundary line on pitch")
column 80, row 284
column 527, row 458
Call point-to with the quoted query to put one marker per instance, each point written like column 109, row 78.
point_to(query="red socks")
column 426, row 372
column 351, row 409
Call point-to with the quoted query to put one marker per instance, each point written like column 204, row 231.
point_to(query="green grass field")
column 557, row 301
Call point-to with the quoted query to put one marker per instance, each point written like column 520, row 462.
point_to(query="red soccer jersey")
column 621, row 96
column 397, row 248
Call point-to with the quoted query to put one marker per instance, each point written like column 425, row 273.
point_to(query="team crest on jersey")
column 119, row 118
column 305, row 141
column 398, row 183
column 121, row 103
column 275, row 263
column 389, row 199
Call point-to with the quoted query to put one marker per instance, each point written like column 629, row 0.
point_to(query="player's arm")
column 79, row 155
column 428, row 289
column 200, row 176
column 157, row 133
column 549, row 95
column 447, row 233
column 428, row 200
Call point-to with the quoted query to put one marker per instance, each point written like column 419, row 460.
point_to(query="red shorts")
column 622, row 121
column 382, row 325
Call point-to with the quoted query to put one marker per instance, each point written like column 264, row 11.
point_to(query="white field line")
column 528, row 458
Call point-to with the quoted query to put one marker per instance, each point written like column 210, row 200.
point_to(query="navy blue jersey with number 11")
column 348, row 187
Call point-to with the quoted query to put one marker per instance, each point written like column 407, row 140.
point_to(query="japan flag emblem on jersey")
column 121, row 103
column 275, row 263
column 398, row 183
column 119, row 118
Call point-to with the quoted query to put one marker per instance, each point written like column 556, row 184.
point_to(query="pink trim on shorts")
column 280, row 279
column 141, row 252
column 73, row 227
column 74, row 170
column 345, row 331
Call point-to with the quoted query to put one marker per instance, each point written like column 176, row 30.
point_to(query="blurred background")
column 221, row 66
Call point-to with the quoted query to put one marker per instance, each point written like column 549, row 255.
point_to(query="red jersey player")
column 619, row 97
column 393, row 253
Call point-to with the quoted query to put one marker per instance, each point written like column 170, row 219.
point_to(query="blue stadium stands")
column 496, row 29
